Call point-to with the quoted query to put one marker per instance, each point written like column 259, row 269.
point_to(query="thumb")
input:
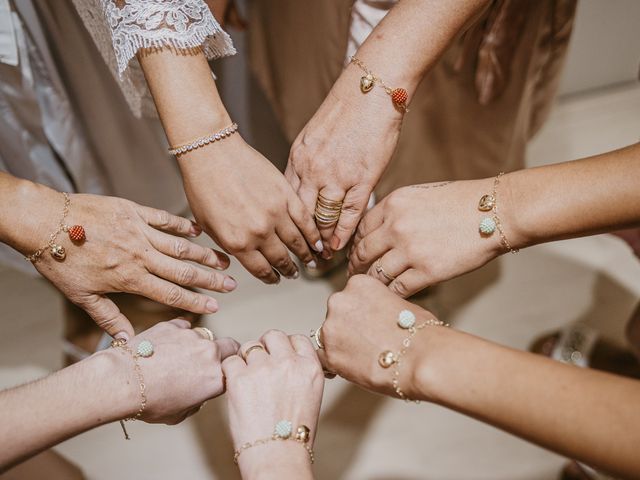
column 107, row 316
column 355, row 202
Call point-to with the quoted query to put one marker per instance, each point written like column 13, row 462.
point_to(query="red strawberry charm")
column 76, row 233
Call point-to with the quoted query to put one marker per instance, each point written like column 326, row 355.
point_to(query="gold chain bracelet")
column 406, row 321
column 399, row 96
column 283, row 430
column 488, row 225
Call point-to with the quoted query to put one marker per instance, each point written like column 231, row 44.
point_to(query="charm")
column 386, row 359
column 406, row 319
column 487, row 202
column 283, row 429
column 399, row 96
column 366, row 83
column 303, row 434
column 145, row 348
column 487, row 226
column 58, row 252
column 76, row 233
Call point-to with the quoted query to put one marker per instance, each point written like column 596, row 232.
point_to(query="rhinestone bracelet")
column 203, row 141
column 406, row 321
column 283, row 430
column 489, row 224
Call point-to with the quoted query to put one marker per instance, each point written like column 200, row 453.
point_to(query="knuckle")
column 335, row 301
column 273, row 333
column 180, row 248
column 164, row 219
column 173, row 296
column 186, row 275
column 359, row 281
column 283, row 263
column 399, row 287
column 360, row 252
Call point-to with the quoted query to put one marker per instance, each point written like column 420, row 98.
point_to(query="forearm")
column 572, row 199
column 576, row 412
column 41, row 414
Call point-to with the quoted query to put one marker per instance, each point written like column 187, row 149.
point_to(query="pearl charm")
column 487, row 226
column 386, row 359
column 58, row 252
column 283, row 429
column 406, row 319
column 145, row 348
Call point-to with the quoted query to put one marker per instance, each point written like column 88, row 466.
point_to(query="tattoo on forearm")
column 432, row 185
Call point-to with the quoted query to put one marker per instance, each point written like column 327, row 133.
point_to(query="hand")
column 363, row 319
column 283, row 381
column 424, row 234
column 128, row 248
column 248, row 208
column 343, row 151
column 183, row 372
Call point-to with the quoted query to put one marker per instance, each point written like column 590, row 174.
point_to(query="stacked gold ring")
column 327, row 211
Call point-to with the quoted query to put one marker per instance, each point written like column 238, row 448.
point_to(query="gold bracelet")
column 283, row 430
column 145, row 349
column 57, row 251
column 488, row 225
column 399, row 96
column 406, row 321
column 203, row 141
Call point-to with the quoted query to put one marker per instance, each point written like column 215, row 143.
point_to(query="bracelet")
column 399, row 96
column 406, row 321
column 203, row 141
column 282, row 431
column 488, row 225
column 58, row 252
column 145, row 350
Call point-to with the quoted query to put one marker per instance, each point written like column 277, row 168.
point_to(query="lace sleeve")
column 120, row 28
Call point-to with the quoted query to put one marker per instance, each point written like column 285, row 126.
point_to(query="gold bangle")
column 489, row 224
column 204, row 141
column 399, row 96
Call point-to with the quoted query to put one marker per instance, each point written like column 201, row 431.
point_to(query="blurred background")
column 512, row 301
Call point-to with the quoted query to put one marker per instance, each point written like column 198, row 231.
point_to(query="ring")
column 205, row 333
column 245, row 354
column 381, row 271
column 316, row 336
column 327, row 211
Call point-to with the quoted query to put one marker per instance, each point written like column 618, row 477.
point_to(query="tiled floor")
column 364, row 436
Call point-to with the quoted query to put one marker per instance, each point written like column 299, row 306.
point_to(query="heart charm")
column 366, row 83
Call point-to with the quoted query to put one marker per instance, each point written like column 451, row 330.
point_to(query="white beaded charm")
column 487, row 226
column 283, row 429
column 406, row 319
column 145, row 348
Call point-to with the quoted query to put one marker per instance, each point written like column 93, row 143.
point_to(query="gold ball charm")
column 487, row 202
column 58, row 252
column 303, row 434
column 386, row 359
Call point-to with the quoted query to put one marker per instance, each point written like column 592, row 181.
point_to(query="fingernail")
column 335, row 243
column 212, row 306
column 122, row 336
column 327, row 254
column 195, row 230
column 318, row 246
column 312, row 264
column 229, row 283
column 295, row 276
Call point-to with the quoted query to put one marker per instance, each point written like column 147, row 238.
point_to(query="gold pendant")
column 386, row 359
column 58, row 252
column 366, row 83
column 487, row 202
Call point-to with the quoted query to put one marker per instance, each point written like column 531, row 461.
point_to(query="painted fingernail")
column 229, row 283
column 335, row 243
column 312, row 264
column 122, row 336
column 295, row 275
column 319, row 246
column 212, row 306
column 195, row 230
column 327, row 254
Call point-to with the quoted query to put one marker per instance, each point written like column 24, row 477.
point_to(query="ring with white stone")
column 380, row 271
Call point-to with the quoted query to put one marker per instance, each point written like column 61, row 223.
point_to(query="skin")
column 238, row 197
column 183, row 372
column 344, row 149
column 282, row 382
column 419, row 245
column 129, row 248
column 580, row 413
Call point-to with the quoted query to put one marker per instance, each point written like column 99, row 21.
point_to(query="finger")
column 277, row 343
column 180, row 323
column 253, row 352
column 227, row 347
column 278, row 256
column 107, row 316
column 173, row 295
column 232, row 365
column 163, row 220
column 368, row 250
column 303, row 346
column 332, row 193
column 291, row 176
column 182, row 249
column 355, row 202
column 371, row 221
column 258, row 266
column 188, row 275
column 389, row 267
column 303, row 219
column 293, row 239
column 409, row 282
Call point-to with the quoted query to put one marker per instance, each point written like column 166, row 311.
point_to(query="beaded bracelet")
column 406, row 321
column 399, row 96
column 283, row 430
column 489, row 224
column 203, row 141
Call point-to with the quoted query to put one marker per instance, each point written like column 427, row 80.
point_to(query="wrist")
column 430, row 365
column 274, row 460
column 515, row 215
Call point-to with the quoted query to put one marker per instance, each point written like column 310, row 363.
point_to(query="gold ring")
column 327, row 212
column 381, row 271
column 205, row 333
column 245, row 354
column 316, row 336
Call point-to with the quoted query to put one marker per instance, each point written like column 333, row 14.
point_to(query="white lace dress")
column 122, row 27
